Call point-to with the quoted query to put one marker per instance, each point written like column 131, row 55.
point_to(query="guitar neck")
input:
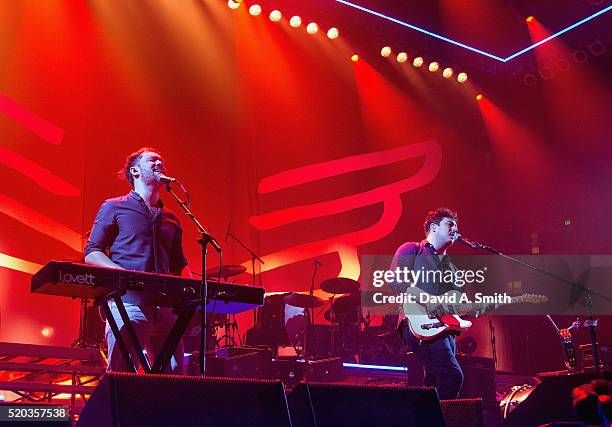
column 465, row 308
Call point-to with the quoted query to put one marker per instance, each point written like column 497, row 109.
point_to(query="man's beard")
column 148, row 176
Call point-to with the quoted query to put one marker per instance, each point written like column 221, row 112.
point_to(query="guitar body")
column 427, row 327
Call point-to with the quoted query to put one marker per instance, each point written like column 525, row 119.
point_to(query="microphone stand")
column 311, row 336
column 205, row 239
column 254, row 258
column 493, row 346
column 588, row 297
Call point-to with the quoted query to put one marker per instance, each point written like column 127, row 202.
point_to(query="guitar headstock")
column 533, row 298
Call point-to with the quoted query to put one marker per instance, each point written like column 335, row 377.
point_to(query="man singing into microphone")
column 136, row 232
column 438, row 356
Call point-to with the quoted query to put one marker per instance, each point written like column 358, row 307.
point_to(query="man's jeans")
column 152, row 325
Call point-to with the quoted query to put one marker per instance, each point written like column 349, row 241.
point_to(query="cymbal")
column 303, row 300
column 340, row 285
column 227, row 270
column 346, row 303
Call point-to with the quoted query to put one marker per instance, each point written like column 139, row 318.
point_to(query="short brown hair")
column 131, row 160
column 437, row 215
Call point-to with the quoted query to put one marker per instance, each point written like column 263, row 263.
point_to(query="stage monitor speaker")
column 548, row 402
column 351, row 405
column 463, row 412
column 125, row 399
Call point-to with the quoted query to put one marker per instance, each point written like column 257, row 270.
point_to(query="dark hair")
column 131, row 160
column 437, row 215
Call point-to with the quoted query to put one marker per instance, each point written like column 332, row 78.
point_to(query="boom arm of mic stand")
column 588, row 297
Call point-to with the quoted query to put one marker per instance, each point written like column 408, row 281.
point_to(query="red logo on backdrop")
column 345, row 245
column 41, row 176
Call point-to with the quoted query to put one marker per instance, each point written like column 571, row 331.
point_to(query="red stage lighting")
column 479, row 97
column 47, row 332
column 355, row 58
column 530, row 19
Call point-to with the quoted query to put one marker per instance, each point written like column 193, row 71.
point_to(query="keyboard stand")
column 184, row 316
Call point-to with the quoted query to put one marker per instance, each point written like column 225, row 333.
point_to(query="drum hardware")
column 303, row 300
column 340, row 285
column 225, row 271
column 569, row 352
column 254, row 257
column 516, row 396
column 230, row 330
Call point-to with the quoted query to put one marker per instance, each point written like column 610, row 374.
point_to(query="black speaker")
column 349, row 405
column 125, row 399
column 548, row 402
column 463, row 412
column 478, row 378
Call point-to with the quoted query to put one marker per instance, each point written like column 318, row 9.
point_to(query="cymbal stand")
column 254, row 257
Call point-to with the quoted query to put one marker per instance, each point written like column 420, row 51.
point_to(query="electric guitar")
column 428, row 325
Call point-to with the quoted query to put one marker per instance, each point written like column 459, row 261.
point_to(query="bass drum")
column 516, row 396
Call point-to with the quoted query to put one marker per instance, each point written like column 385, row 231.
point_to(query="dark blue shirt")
column 137, row 239
column 422, row 256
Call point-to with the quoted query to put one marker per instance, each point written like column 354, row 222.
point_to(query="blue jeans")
column 152, row 325
column 442, row 370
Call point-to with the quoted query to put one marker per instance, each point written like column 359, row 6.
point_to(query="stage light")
column 479, row 97
column 402, row 57
column 530, row 19
column 333, row 33
column 385, row 51
column 418, row 61
column 462, row 77
column 447, row 73
column 255, row 10
column 275, row 15
column 464, row 46
column 355, row 58
column 47, row 331
column 233, row 4
column 433, row 66
column 312, row 28
column 295, row 21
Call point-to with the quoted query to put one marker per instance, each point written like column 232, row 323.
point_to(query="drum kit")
column 286, row 320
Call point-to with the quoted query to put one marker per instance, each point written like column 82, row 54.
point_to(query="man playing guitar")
column 437, row 355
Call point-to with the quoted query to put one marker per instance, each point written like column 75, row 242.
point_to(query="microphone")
column 160, row 177
column 229, row 228
column 465, row 241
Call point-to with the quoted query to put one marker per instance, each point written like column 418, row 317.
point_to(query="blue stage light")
column 376, row 367
column 465, row 46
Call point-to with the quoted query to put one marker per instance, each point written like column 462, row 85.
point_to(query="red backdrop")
column 306, row 153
